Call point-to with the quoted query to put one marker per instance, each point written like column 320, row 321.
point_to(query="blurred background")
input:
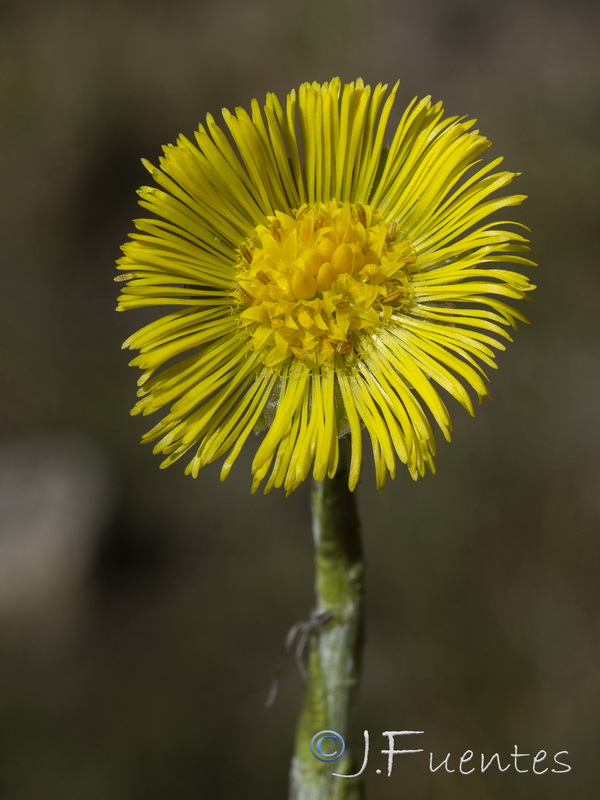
column 142, row 612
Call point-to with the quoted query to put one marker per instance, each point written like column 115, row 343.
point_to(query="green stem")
column 335, row 650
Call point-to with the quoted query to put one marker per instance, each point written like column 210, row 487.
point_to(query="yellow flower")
column 323, row 282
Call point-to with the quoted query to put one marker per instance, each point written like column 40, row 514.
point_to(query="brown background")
column 141, row 611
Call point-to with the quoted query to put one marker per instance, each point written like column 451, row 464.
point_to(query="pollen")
column 317, row 284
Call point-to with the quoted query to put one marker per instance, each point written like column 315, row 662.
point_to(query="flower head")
column 322, row 283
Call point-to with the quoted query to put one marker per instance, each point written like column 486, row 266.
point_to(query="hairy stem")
column 334, row 659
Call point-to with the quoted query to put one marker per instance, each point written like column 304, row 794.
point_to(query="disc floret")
column 317, row 283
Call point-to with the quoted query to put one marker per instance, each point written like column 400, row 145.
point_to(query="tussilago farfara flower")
column 323, row 279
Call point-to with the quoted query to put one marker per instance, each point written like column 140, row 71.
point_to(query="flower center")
column 317, row 283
